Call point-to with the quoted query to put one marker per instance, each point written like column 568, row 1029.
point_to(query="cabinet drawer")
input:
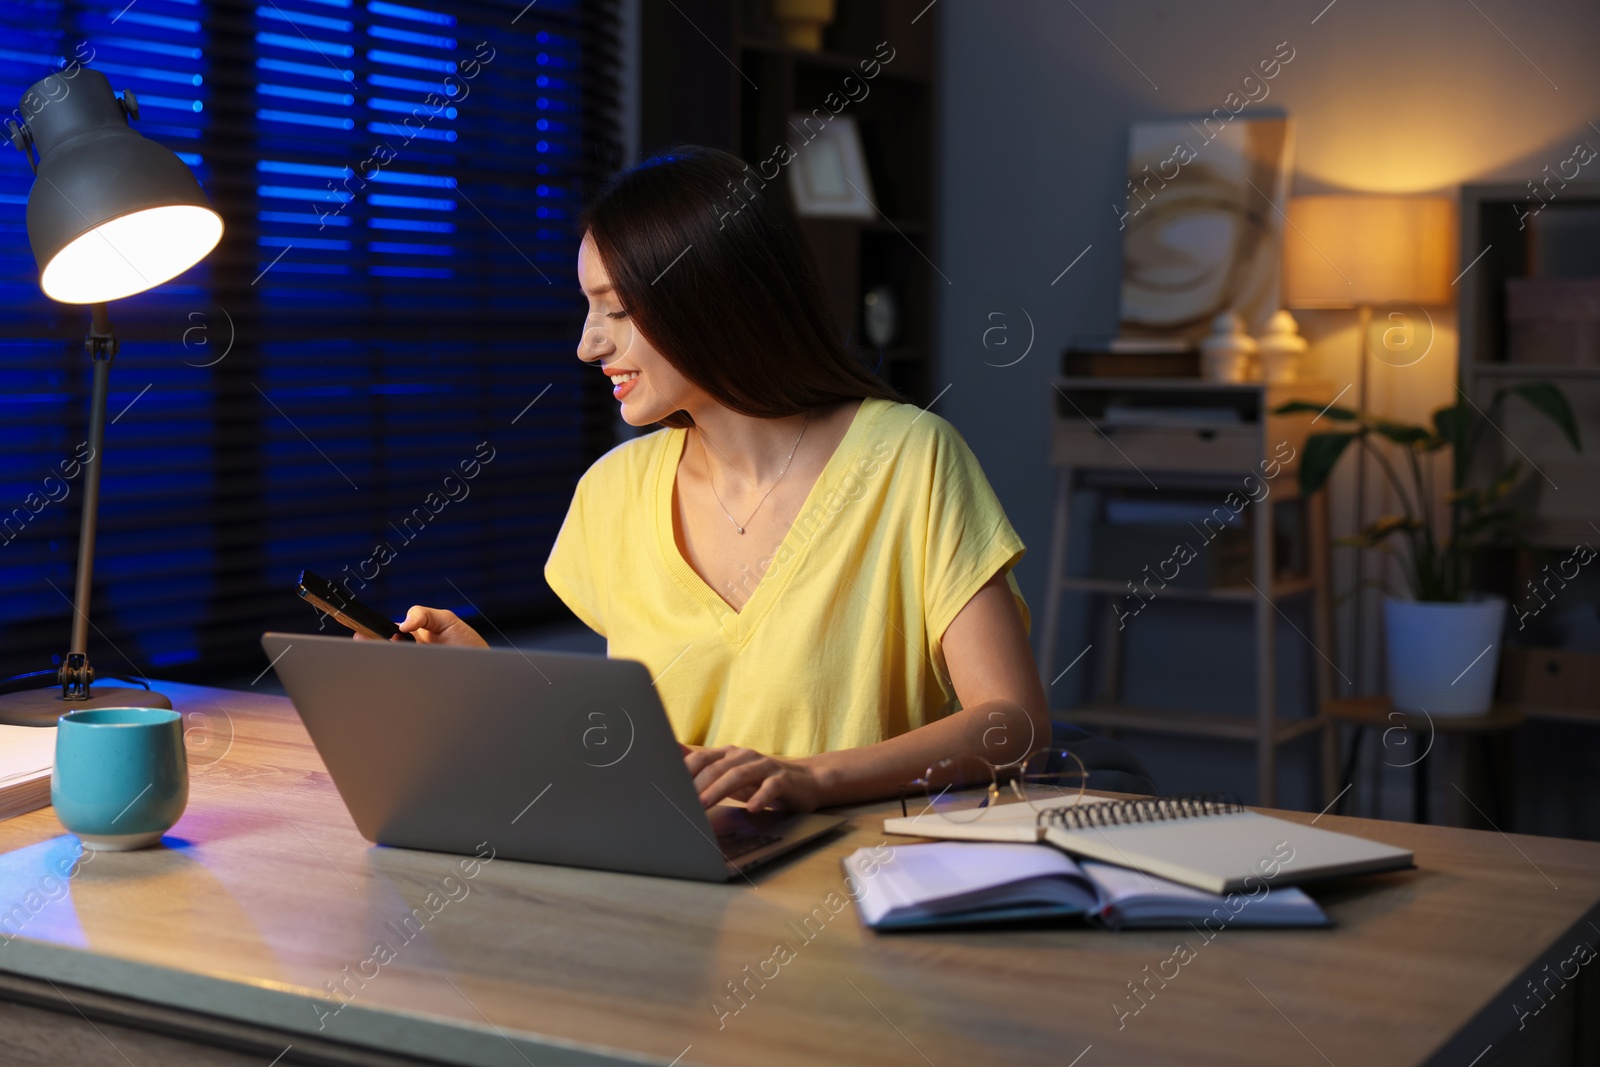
column 1155, row 448
column 1551, row 677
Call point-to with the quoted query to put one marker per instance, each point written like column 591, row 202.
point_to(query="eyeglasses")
column 963, row 788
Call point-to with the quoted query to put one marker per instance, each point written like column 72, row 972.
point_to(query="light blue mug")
column 121, row 778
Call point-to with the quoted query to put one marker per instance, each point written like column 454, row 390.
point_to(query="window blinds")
column 372, row 377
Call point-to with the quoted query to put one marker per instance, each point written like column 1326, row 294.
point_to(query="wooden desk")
column 231, row 936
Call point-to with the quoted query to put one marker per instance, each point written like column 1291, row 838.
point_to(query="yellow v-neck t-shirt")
column 838, row 645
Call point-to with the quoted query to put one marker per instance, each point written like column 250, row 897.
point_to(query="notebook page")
column 952, row 873
column 26, row 752
column 1218, row 852
column 1014, row 821
column 1137, row 895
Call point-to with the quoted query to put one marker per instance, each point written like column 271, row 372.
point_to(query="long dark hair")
column 711, row 266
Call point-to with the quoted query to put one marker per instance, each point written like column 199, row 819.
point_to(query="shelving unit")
column 1494, row 227
column 1502, row 226
column 714, row 72
column 1201, row 458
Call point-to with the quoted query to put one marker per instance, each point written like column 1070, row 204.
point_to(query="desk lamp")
column 1364, row 251
column 110, row 214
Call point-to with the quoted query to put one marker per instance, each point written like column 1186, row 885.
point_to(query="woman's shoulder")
column 627, row 463
column 913, row 430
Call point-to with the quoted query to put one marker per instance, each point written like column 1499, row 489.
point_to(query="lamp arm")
column 77, row 675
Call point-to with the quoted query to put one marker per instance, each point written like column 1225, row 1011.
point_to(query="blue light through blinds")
column 394, row 299
column 409, row 185
column 158, row 444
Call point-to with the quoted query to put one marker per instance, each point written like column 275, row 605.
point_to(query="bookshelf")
column 1509, row 233
column 1497, row 231
column 716, row 73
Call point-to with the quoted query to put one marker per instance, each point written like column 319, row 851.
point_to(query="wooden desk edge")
column 223, row 1011
column 212, row 1031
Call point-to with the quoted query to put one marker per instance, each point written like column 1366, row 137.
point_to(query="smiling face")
column 648, row 387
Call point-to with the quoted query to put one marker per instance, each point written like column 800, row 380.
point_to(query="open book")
column 26, row 755
column 1211, row 844
column 961, row 883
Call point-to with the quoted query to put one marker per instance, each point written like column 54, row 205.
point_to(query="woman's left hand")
column 762, row 782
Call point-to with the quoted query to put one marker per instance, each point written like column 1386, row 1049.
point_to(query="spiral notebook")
column 1209, row 842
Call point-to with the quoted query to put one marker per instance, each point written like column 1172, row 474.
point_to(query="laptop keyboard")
column 736, row 843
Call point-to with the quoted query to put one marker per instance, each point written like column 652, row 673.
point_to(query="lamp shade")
column 1354, row 251
column 111, row 212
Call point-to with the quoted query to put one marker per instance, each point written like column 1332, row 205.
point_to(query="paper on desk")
column 25, row 751
column 1003, row 822
column 27, row 754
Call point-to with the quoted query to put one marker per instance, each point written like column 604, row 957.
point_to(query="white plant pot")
column 1443, row 658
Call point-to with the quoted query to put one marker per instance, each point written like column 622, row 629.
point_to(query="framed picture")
column 828, row 176
column 1202, row 227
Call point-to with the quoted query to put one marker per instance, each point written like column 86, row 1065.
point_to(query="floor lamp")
column 1364, row 252
column 110, row 214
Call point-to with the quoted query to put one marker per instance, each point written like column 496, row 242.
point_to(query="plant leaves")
column 1391, row 524
column 1296, row 407
column 1548, row 399
column 1399, row 432
column 1321, row 455
column 1451, row 424
column 1434, row 574
column 1379, row 531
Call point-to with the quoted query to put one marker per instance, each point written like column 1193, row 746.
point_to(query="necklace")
column 737, row 525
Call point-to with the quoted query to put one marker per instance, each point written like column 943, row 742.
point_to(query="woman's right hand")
column 439, row 626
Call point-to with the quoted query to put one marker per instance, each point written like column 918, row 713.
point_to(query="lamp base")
column 42, row 707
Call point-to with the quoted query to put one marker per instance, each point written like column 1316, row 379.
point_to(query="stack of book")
column 1152, row 862
column 27, row 754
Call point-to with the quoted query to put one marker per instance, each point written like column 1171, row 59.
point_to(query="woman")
column 817, row 576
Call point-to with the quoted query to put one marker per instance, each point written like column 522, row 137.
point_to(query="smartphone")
column 333, row 601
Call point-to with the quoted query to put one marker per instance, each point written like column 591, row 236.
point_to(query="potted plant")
column 1435, row 640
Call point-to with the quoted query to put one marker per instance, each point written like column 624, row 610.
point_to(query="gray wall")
column 1036, row 96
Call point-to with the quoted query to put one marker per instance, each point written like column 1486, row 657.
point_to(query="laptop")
column 546, row 757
